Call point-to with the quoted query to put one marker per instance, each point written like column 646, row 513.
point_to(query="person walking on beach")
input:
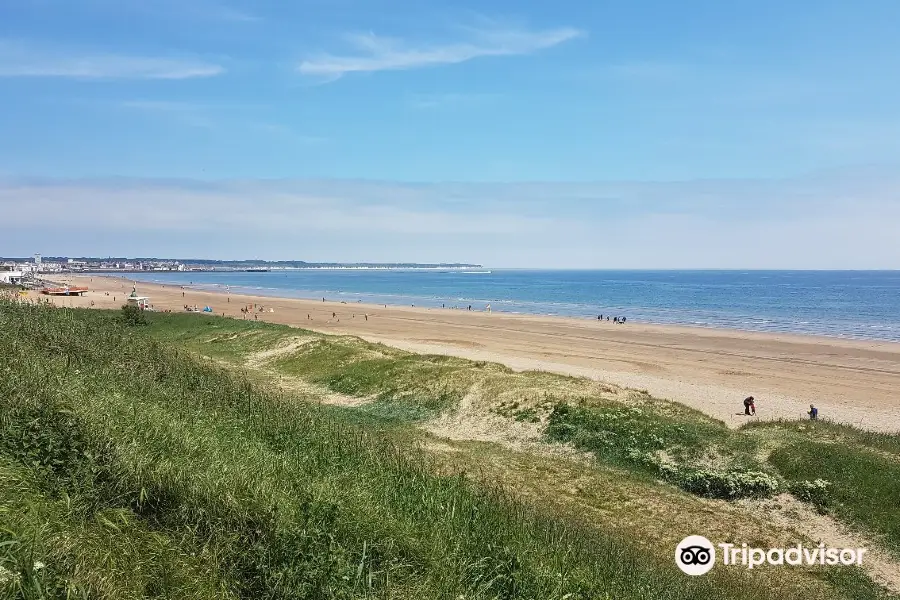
column 813, row 413
column 749, row 406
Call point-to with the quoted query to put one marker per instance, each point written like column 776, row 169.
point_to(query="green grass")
column 130, row 469
column 659, row 439
column 824, row 430
column 406, row 385
column 152, row 474
column 863, row 487
column 49, row 538
column 412, row 386
column 692, row 451
column 218, row 337
column 849, row 473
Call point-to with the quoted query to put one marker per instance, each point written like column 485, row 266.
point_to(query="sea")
column 847, row 304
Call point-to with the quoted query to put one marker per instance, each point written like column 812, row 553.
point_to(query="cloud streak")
column 23, row 60
column 842, row 219
column 372, row 53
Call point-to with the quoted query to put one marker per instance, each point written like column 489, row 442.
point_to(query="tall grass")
column 150, row 474
column 859, row 485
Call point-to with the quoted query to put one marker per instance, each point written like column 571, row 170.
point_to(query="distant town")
column 22, row 270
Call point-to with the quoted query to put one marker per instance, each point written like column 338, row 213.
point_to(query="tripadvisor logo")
column 696, row 555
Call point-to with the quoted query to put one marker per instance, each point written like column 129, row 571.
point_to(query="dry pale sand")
column 712, row 370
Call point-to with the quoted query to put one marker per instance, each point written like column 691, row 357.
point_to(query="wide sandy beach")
column 712, row 370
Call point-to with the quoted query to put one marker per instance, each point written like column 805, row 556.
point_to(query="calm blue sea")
column 853, row 304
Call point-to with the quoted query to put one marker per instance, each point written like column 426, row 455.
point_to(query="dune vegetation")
column 192, row 456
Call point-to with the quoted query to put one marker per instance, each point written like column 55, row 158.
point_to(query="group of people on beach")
column 469, row 308
column 619, row 320
column 338, row 319
column 254, row 308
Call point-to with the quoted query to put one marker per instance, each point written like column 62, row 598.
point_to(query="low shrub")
column 814, row 492
column 133, row 315
column 637, row 438
column 727, row 485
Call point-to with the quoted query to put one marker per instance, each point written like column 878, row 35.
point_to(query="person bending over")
column 749, row 406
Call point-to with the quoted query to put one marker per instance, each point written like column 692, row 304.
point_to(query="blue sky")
column 568, row 133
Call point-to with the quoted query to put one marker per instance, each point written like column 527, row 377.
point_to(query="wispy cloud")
column 376, row 53
column 28, row 60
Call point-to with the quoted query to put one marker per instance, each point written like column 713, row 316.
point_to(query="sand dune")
column 712, row 370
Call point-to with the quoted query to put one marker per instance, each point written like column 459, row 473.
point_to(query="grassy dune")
column 863, row 484
column 850, row 473
column 131, row 469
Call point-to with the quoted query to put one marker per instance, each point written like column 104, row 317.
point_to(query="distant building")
column 11, row 277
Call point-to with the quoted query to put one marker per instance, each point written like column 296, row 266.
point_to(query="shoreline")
column 740, row 324
column 710, row 369
column 697, row 329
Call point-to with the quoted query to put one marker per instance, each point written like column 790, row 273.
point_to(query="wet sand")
column 711, row 370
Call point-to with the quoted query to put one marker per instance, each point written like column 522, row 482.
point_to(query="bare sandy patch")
column 786, row 512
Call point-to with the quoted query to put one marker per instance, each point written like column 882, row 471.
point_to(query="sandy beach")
column 711, row 370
